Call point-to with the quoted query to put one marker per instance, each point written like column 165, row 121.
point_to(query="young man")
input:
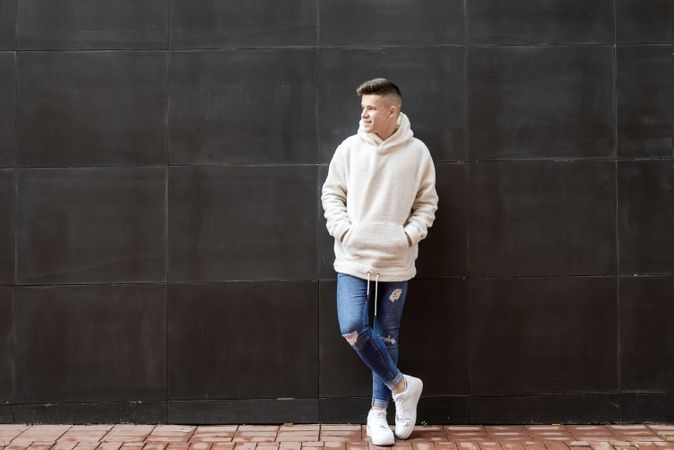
column 379, row 200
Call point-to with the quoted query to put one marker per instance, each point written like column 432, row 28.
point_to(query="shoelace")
column 399, row 408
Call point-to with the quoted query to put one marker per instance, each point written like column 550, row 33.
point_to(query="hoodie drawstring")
column 376, row 285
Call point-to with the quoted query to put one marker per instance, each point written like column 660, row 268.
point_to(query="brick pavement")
column 333, row 437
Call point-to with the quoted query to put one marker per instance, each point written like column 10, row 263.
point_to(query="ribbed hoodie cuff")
column 340, row 230
column 413, row 232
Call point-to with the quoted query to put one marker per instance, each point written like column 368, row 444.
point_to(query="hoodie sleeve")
column 333, row 197
column 425, row 204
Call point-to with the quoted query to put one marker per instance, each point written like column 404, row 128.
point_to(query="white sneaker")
column 406, row 406
column 377, row 428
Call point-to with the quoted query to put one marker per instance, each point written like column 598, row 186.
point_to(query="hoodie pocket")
column 377, row 243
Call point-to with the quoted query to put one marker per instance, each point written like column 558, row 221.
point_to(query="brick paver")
column 334, row 437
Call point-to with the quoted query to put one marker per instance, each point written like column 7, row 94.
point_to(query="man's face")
column 377, row 115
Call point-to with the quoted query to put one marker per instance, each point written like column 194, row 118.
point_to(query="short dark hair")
column 383, row 87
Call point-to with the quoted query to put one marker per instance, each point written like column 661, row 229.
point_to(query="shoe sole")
column 391, row 442
column 416, row 401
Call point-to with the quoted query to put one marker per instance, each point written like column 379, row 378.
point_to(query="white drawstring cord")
column 368, row 285
column 376, row 286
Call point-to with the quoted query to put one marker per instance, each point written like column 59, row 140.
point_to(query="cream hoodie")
column 376, row 192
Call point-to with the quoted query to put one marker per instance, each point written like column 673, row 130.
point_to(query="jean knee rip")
column 395, row 295
column 351, row 338
column 356, row 339
column 389, row 340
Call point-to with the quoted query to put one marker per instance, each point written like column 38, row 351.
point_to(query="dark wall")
column 163, row 256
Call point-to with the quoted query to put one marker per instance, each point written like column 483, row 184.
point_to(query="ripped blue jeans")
column 378, row 347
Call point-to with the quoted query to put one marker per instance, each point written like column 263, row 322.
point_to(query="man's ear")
column 393, row 111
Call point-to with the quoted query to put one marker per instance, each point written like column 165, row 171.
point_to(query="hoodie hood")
column 401, row 136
